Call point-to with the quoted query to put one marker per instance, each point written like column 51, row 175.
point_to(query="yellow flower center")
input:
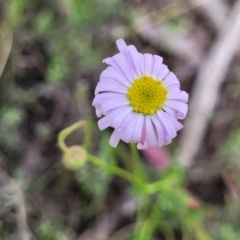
column 147, row 95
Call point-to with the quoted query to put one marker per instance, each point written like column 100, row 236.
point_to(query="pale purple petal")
column 144, row 131
column 176, row 94
column 151, row 136
column 108, row 97
column 106, row 121
column 170, row 131
column 138, row 128
column 180, row 107
column 148, row 63
column 106, row 106
column 128, row 127
column 117, row 121
column 119, row 62
column 141, row 59
column 130, row 63
column 136, row 60
column 163, row 71
column 170, row 111
column 114, row 139
column 121, row 45
column 171, row 80
column 176, row 124
column 110, row 86
column 111, row 73
column 156, row 66
column 98, row 111
column 160, row 131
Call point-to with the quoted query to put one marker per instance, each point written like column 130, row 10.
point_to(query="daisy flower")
column 140, row 98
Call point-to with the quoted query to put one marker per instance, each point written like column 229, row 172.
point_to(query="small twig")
column 207, row 86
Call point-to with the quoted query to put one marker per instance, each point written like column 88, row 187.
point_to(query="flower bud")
column 74, row 157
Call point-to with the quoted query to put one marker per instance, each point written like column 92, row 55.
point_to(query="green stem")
column 143, row 203
column 137, row 166
column 116, row 170
column 141, row 217
column 167, row 231
column 87, row 137
column 149, row 226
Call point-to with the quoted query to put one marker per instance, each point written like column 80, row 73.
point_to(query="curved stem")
column 67, row 131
